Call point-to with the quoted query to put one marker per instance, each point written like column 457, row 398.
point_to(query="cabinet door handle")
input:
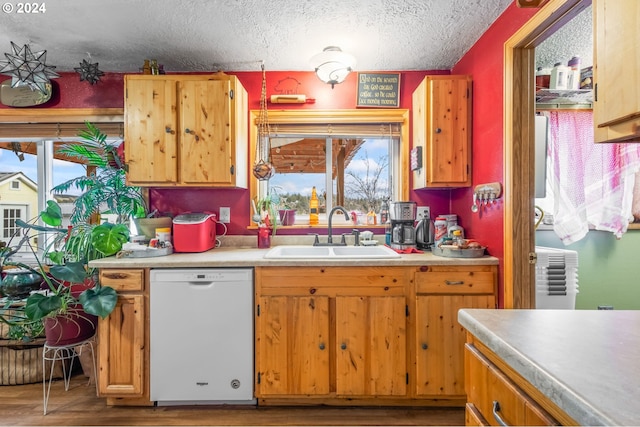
column 169, row 130
column 454, row 282
column 425, row 346
column 343, row 346
column 321, row 346
column 496, row 415
column 438, row 130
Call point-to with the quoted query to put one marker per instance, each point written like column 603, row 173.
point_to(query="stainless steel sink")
column 331, row 252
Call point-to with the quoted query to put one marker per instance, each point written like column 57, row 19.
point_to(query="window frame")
column 325, row 117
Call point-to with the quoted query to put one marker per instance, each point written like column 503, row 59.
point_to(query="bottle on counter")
column 451, row 230
column 313, row 207
column 559, row 76
column 440, row 230
column 146, row 68
column 458, row 239
column 573, row 78
column 384, row 212
column 387, row 232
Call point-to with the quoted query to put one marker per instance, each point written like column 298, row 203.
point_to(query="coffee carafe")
column 402, row 216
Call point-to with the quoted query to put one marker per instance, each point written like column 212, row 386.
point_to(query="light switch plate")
column 423, row 212
column 225, row 215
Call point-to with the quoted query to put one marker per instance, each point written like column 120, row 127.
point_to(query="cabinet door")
column 206, row 156
column 121, row 349
column 442, row 127
column 440, row 342
column 616, row 109
column 151, row 139
column 293, row 347
column 371, row 356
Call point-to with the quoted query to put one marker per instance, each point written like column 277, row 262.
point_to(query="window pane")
column 360, row 174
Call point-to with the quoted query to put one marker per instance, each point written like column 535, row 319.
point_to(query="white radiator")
column 556, row 278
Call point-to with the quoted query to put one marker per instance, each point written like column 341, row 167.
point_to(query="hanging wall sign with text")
column 378, row 90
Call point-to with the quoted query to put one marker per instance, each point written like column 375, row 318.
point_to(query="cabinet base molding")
column 399, row 402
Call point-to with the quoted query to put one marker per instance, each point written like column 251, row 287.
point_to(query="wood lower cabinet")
column 186, row 130
column 495, row 399
column 331, row 332
column 123, row 355
column 439, row 338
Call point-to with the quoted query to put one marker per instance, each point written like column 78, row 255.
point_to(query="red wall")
column 342, row 96
column 485, row 62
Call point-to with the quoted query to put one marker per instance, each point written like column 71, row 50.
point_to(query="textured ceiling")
column 574, row 38
column 235, row 35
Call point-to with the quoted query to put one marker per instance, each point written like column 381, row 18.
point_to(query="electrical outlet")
column 423, row 212
column 225, row 215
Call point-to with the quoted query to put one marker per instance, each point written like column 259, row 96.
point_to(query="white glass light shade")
column 332, row 65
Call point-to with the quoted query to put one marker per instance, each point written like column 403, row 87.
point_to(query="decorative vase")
column 287, row 216
column 19, row 282
column 72, row 327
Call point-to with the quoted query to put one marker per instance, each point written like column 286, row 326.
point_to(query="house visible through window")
column 15, row 185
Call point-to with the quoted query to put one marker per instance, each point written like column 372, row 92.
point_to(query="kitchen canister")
column 440, row 229
column 163, row 234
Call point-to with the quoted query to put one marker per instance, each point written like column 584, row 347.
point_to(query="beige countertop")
column 585, row 361
column 238, row 256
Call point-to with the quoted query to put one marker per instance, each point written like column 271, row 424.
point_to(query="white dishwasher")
column 201, row 336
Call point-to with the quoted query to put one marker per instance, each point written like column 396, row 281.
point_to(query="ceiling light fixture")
column 332, row 65
column 89, row 71
column 27, row 68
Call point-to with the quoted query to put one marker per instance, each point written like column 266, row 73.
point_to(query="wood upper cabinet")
column 441, row 107
column 331, row 332
column 186, row 130
column 616, row 110
column 440, row 293
column 122, row 339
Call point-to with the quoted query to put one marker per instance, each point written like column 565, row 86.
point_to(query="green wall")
column 608, row 268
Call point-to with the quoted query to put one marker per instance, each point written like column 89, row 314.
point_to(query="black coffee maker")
column 402, row 216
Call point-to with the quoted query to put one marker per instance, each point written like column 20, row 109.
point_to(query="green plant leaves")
column 108, row 238
column 72, row 272
column 52, row 215
column 39, row 306
column 99, row 301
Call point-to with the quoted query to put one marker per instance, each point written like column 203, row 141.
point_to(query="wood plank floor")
column 22, row 405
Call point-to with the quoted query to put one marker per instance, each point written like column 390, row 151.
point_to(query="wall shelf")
column 564, row 99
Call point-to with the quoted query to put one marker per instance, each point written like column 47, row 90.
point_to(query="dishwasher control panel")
column 202, row 275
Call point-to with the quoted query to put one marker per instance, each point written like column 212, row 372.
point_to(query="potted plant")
column 70, row 286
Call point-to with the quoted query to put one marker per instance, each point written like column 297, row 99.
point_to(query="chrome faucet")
column 330, row 228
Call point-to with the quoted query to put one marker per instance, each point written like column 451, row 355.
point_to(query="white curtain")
column 592, row 184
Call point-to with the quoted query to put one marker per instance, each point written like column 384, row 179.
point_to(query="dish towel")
column 592, row 184
column 407, row 250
